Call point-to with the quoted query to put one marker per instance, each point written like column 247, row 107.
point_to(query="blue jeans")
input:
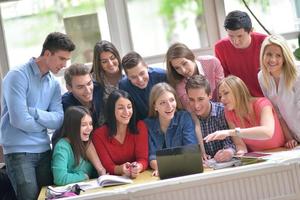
column 28, row 172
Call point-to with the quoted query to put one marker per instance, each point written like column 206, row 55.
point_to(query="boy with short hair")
column 139, row 81
column 83, row 91
column 211, row 117
column 239, row 52
column 31, row 105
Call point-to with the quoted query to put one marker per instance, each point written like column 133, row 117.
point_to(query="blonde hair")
column 289, row 67
column 177, row 50
column 240, row 94
column 158, row 90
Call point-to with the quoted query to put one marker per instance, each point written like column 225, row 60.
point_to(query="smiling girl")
column 182, row 64
column 107, row 66
column 106, row 69
column 69, row 160
column 122, row 143
column 279, row 80
column 252, row 120
column 168, row 127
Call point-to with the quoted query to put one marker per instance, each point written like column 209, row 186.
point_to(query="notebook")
column 179, row 161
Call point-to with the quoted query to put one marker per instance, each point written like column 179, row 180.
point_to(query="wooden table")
column 273, row 179
column 144, row 177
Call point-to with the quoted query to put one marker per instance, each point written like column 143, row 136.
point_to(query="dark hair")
column 76, row 69
column 236, row 20
column 97, row 68
column 132, row 59
column 57, row 41
column 177, row 50
column 71, row 129
column 111, row 120
column 198, row 82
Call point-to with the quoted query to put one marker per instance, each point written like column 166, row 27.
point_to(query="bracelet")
column 237, row 131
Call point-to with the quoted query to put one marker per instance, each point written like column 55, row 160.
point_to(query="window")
column 128, row 25
column 27, row 22
column 156, row 24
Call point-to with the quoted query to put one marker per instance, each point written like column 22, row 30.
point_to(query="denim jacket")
column 181, row 131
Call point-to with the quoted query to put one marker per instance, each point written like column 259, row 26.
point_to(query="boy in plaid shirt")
column 211, row 117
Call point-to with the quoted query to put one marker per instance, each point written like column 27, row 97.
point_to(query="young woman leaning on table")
column 122, row 143
column 279, row 80
column 254, row 123
column 168, row 127
column 69, row 159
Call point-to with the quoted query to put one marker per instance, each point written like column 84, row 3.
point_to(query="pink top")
column 258, row 145
column 111, row 152
column 243, row 63
column 211, row 68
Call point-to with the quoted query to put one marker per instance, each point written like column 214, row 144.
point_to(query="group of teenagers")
column 118, row 113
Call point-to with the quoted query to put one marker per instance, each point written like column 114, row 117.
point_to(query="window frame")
column 119, row 28
column 4, row 67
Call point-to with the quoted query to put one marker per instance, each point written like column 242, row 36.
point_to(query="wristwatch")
column 237, row 131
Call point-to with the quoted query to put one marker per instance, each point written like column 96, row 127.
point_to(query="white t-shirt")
column 287, row 102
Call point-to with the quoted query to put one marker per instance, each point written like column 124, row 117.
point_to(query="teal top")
column 63, row 165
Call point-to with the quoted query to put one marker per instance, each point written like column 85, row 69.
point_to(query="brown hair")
column 177, row 50
column 76, row 69
column 71, row 129
column 132, row 59
column 198, row 82
column 97, row 68
column 57, row 41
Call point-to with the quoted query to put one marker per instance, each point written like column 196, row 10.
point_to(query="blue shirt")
column 68, row 100
column 97, row 108
column 214, row 122
column 141, row 96
column 181, row 131
column 31, row 104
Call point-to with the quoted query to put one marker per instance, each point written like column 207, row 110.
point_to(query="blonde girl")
column 279, row 80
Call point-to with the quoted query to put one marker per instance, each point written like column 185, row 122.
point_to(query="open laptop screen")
column 179, row 161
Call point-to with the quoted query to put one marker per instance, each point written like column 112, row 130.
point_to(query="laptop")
column 179, row 161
